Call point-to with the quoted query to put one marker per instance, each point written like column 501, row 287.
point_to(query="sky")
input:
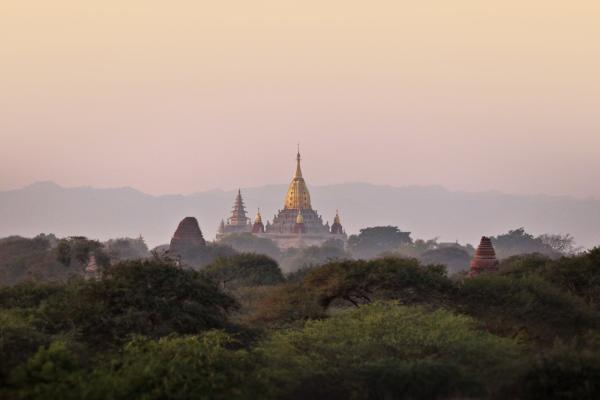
column 185, row 96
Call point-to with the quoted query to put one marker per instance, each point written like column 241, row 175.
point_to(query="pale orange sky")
column 182, row 96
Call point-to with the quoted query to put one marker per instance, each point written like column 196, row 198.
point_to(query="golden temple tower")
column 297, row 197
column 296, row 225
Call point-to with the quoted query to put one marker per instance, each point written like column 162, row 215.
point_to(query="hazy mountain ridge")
column 426, row 211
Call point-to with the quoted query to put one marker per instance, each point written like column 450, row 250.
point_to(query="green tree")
column 52, row 373
column 136, row 297
column 247, row 269
column 127, row 249
column 455, row 258
column 523, row 265
column 566, row 371
column 354, row 283
column 372, row 242
column 531, row 307
column 563, row 244
column 286, row 305
column 19, row 339
column 295, row 259
column 389, row 351
column 249, row 243
column 193, row 367
column 201, row 256
column 579, row 275
column 19, row 256
column 518, row 241
column 389, row 278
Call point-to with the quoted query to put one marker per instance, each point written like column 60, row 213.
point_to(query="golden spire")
column 297, row 196
column 298, row 170
column 336, row 219
column 299, row 218
column 258, row 219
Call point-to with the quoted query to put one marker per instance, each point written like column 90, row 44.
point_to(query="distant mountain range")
column 427, row 211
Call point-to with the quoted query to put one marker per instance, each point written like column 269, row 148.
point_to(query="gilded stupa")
column 296, row 225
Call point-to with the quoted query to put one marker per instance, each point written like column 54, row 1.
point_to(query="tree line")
column 382, row 328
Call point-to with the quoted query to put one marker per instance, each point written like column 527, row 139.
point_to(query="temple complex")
column 484, row 259
column 296, row 225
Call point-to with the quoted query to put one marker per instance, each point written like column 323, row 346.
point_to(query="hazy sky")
column 182, row 96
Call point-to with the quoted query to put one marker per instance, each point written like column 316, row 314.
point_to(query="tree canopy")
column 382, row 328
column 374, row 241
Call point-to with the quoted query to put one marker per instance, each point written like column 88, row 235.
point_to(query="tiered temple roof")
column 484, row 259
column 238, row 213
column 238, row 222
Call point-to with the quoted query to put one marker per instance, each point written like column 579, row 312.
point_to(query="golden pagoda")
column 297, row 197
column 296, row 225
column 258, row 226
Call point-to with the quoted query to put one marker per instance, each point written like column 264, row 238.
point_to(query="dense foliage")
column 247, row 269
column 341, row 328
column 372, row 242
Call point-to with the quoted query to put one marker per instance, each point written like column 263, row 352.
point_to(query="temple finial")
column 298, row 170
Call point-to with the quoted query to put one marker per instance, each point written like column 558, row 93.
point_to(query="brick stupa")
column 484, row 259
column 187, row 236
